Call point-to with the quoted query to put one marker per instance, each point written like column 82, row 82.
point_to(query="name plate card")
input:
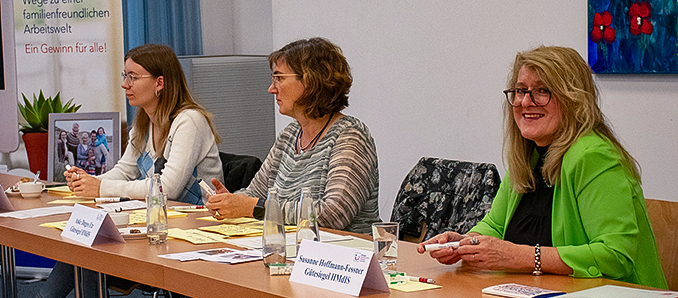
column 91, row 226
column 336, row 268
column 4, row 201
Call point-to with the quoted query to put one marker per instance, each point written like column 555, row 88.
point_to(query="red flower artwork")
column 602, row 29
column 639, row 15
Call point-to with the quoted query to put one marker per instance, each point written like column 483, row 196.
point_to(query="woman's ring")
column 474, row 257
column 475, row 241
column 77, row 175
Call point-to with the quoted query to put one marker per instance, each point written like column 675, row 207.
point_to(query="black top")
column 531, row 223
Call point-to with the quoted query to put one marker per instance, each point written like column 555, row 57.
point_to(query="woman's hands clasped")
column 490, row 252
column 227, row 205
column 81, row 183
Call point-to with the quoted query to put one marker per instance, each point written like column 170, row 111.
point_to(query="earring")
column 156, row 93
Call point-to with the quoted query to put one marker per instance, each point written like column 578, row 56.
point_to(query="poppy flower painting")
column 633, row 36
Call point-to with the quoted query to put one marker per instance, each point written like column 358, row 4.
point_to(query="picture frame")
column 99, row 155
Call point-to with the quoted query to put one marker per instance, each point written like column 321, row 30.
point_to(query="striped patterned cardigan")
column 341, row 170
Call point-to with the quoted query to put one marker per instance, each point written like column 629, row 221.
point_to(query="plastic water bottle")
column 156, row 212
column 307, row 222
column 273, row 240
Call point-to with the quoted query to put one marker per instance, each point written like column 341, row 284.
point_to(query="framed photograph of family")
column 90, row 141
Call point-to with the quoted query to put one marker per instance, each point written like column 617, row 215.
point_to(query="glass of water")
column 385, row 235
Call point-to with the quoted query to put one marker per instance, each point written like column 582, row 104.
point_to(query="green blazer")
column 600, row 224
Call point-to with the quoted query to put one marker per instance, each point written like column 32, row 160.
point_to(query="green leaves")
column 37, row 113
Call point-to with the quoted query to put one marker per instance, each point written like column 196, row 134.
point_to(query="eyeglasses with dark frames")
column 540, row 96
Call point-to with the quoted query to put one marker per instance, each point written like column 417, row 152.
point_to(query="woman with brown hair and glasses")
column 171, row 135
column 571, row 201
column 332, row 153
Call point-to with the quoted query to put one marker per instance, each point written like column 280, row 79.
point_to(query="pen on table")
column 431, row 247
column 111, row 200
column 422, row 279
column 186, row 207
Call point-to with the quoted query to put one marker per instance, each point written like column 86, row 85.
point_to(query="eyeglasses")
column 276, row 78
column 130, row 78
column 540, row 96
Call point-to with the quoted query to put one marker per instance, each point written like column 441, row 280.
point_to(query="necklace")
column 314, row 140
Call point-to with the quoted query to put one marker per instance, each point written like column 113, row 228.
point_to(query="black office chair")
column 441, row 195
column 238, row 170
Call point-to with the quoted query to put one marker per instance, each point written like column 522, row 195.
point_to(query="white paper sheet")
column 291, row 239
column 37, row 212
column 127, row 205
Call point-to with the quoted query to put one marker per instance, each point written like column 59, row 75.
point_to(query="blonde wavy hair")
column 160, row 60
column 570, row 80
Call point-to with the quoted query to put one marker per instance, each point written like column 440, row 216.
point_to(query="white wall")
column 428, row 77
column 236, row 27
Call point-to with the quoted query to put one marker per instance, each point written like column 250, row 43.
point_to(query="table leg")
column 8, row 272
column 79, row 285
column 101, row 285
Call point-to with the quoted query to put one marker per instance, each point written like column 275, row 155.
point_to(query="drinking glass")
column 385, row 235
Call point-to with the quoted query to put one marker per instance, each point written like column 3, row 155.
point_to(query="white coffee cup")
column 30, row 189
column 120, row 219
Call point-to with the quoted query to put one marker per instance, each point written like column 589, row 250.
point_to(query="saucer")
column 31, row 195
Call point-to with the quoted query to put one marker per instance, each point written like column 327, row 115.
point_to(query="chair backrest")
column 444, row 195
column 664, row 218
column 238, row 170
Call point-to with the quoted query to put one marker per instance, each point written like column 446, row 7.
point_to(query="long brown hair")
column 160, row 60
column 570, row 80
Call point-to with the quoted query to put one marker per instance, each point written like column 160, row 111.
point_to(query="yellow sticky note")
column 413, row 286
column 139, row 216
column 60, row 190
column 231, row 230
column 195, row 236
column 233, row 221
column 57, row 225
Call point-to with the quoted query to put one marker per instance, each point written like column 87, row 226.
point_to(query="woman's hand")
column 227, row 205
column 445, row 255
column 81, row 183
column 496, row 254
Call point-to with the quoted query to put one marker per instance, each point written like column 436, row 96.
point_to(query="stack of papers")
column 195, row 236
column 221, row 255
column 233, row 230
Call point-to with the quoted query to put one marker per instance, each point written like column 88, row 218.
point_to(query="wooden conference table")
column 138, row 261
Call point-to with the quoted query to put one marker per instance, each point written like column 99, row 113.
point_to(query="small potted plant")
column 34, row 131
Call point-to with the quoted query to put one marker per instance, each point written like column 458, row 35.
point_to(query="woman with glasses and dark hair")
column 571, row 202
column 171, row 135
column 332, row 153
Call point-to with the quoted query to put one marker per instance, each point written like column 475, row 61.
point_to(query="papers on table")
column 72, row 201
column 62, row 190
column 57, row 225
column 195, row 236
column 139, row 216
column 121, row 206
column 610, row 291
column 291, row 239
column 37, row 212
column 232, row 230
column 221, row 255
column 413, row 286
column 233, row 221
